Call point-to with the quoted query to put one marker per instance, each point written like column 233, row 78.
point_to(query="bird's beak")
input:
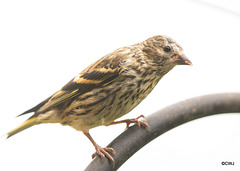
column 182, row 60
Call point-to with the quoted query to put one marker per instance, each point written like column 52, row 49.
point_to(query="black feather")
column 35, row 108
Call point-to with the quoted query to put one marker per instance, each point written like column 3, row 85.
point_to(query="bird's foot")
column 104, row 152
column 136, row 121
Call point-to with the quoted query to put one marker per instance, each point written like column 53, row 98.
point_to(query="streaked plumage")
column 109, row 88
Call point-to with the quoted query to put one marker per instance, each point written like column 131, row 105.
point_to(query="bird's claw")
column 136, row 121
column 104, row 152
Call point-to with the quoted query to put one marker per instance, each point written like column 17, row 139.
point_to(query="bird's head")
column 163, row 50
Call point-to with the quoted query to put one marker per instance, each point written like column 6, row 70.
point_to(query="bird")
column 108, row 89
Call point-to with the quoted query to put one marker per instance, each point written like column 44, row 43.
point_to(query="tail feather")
column 28, row 123
column 35, row 108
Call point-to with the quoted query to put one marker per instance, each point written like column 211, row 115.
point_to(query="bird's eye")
column 167, row 49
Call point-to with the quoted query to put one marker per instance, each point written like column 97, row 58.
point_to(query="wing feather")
column 96, row 75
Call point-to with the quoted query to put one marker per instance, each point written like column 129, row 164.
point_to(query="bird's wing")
column 81, row 84
column 100, row 73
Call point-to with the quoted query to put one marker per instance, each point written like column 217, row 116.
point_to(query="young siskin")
column 109, row 88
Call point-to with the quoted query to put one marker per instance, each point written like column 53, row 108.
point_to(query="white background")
column 43, row 44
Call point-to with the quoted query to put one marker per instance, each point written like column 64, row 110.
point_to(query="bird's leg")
column 102, row 152
column 136, row 121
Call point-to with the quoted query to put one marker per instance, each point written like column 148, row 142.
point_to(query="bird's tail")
column 28, row 123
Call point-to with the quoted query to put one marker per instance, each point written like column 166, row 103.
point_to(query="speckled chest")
column 141, row 87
